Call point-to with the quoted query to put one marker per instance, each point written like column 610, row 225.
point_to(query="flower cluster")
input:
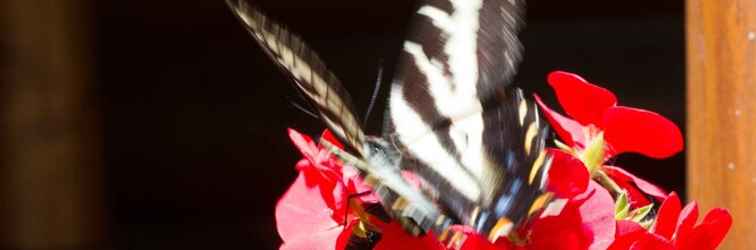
column 600, row 206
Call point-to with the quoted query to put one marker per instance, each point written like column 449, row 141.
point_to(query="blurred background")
column 161, row 124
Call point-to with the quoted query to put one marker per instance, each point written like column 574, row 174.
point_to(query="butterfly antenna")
column 377, row 89
column 305, row 110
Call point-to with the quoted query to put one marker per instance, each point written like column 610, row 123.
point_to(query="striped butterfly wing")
column 474, row 141
column 309, row 73
column 475, row 146
column 375, row 157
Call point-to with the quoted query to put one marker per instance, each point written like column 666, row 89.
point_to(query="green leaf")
column 640, row 213
column 621, row 207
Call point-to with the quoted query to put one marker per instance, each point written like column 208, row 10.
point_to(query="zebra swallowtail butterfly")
column 454, row 120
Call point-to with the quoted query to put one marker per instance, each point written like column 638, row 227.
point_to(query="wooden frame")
column 50, row 190
column 721, row 39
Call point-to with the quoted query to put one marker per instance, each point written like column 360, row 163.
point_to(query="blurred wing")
column 462, row 129
column 332, row 102
column 308, row 71
column 459, row 52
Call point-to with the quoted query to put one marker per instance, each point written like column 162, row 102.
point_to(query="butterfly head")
column 381, row 153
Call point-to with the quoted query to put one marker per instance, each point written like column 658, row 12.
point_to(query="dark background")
column 195, row 114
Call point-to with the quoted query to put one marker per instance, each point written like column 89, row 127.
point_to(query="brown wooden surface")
column 49, row 172
column 722, row 111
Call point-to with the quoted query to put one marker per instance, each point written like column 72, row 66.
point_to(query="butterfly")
column 454, row 121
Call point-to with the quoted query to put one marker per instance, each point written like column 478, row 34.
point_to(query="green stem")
column 606, row 181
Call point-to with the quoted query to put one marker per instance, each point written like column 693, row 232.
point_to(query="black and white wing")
column 333, row 104
column 307, row 70
column 473, row 139
column 475, row 144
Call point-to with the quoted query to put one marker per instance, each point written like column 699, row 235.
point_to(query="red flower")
column 601, row 129
column 594, row 110
column 584, row 222
column 675, row 229
column 313, row 213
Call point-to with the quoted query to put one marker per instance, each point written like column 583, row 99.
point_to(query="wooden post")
column 50, row 192
column 721, row 38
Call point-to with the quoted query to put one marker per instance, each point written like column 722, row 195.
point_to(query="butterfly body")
column 461, row 146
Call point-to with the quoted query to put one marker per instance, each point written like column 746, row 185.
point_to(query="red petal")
column 631, row 236
column 321, row 170
column 598, row 215
column 627, row 227
column 304, row 144
column 685, row 223
column 563, row 231
column 697, row 240
column 630, row 182
column 393, row 237
column 328, row 136
column 567, row 175
column 580, row 99
column 713, row 229
column 563, row 240
column 323, row 240
column 628, row 233
column 710, row 233
column 666, row 220
column 636, row 197
column 474, row 241
column 655, row 242
column 328, row 181
column 586, row 222
column 641, row 131
column 302, row 212
column 570, row 131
